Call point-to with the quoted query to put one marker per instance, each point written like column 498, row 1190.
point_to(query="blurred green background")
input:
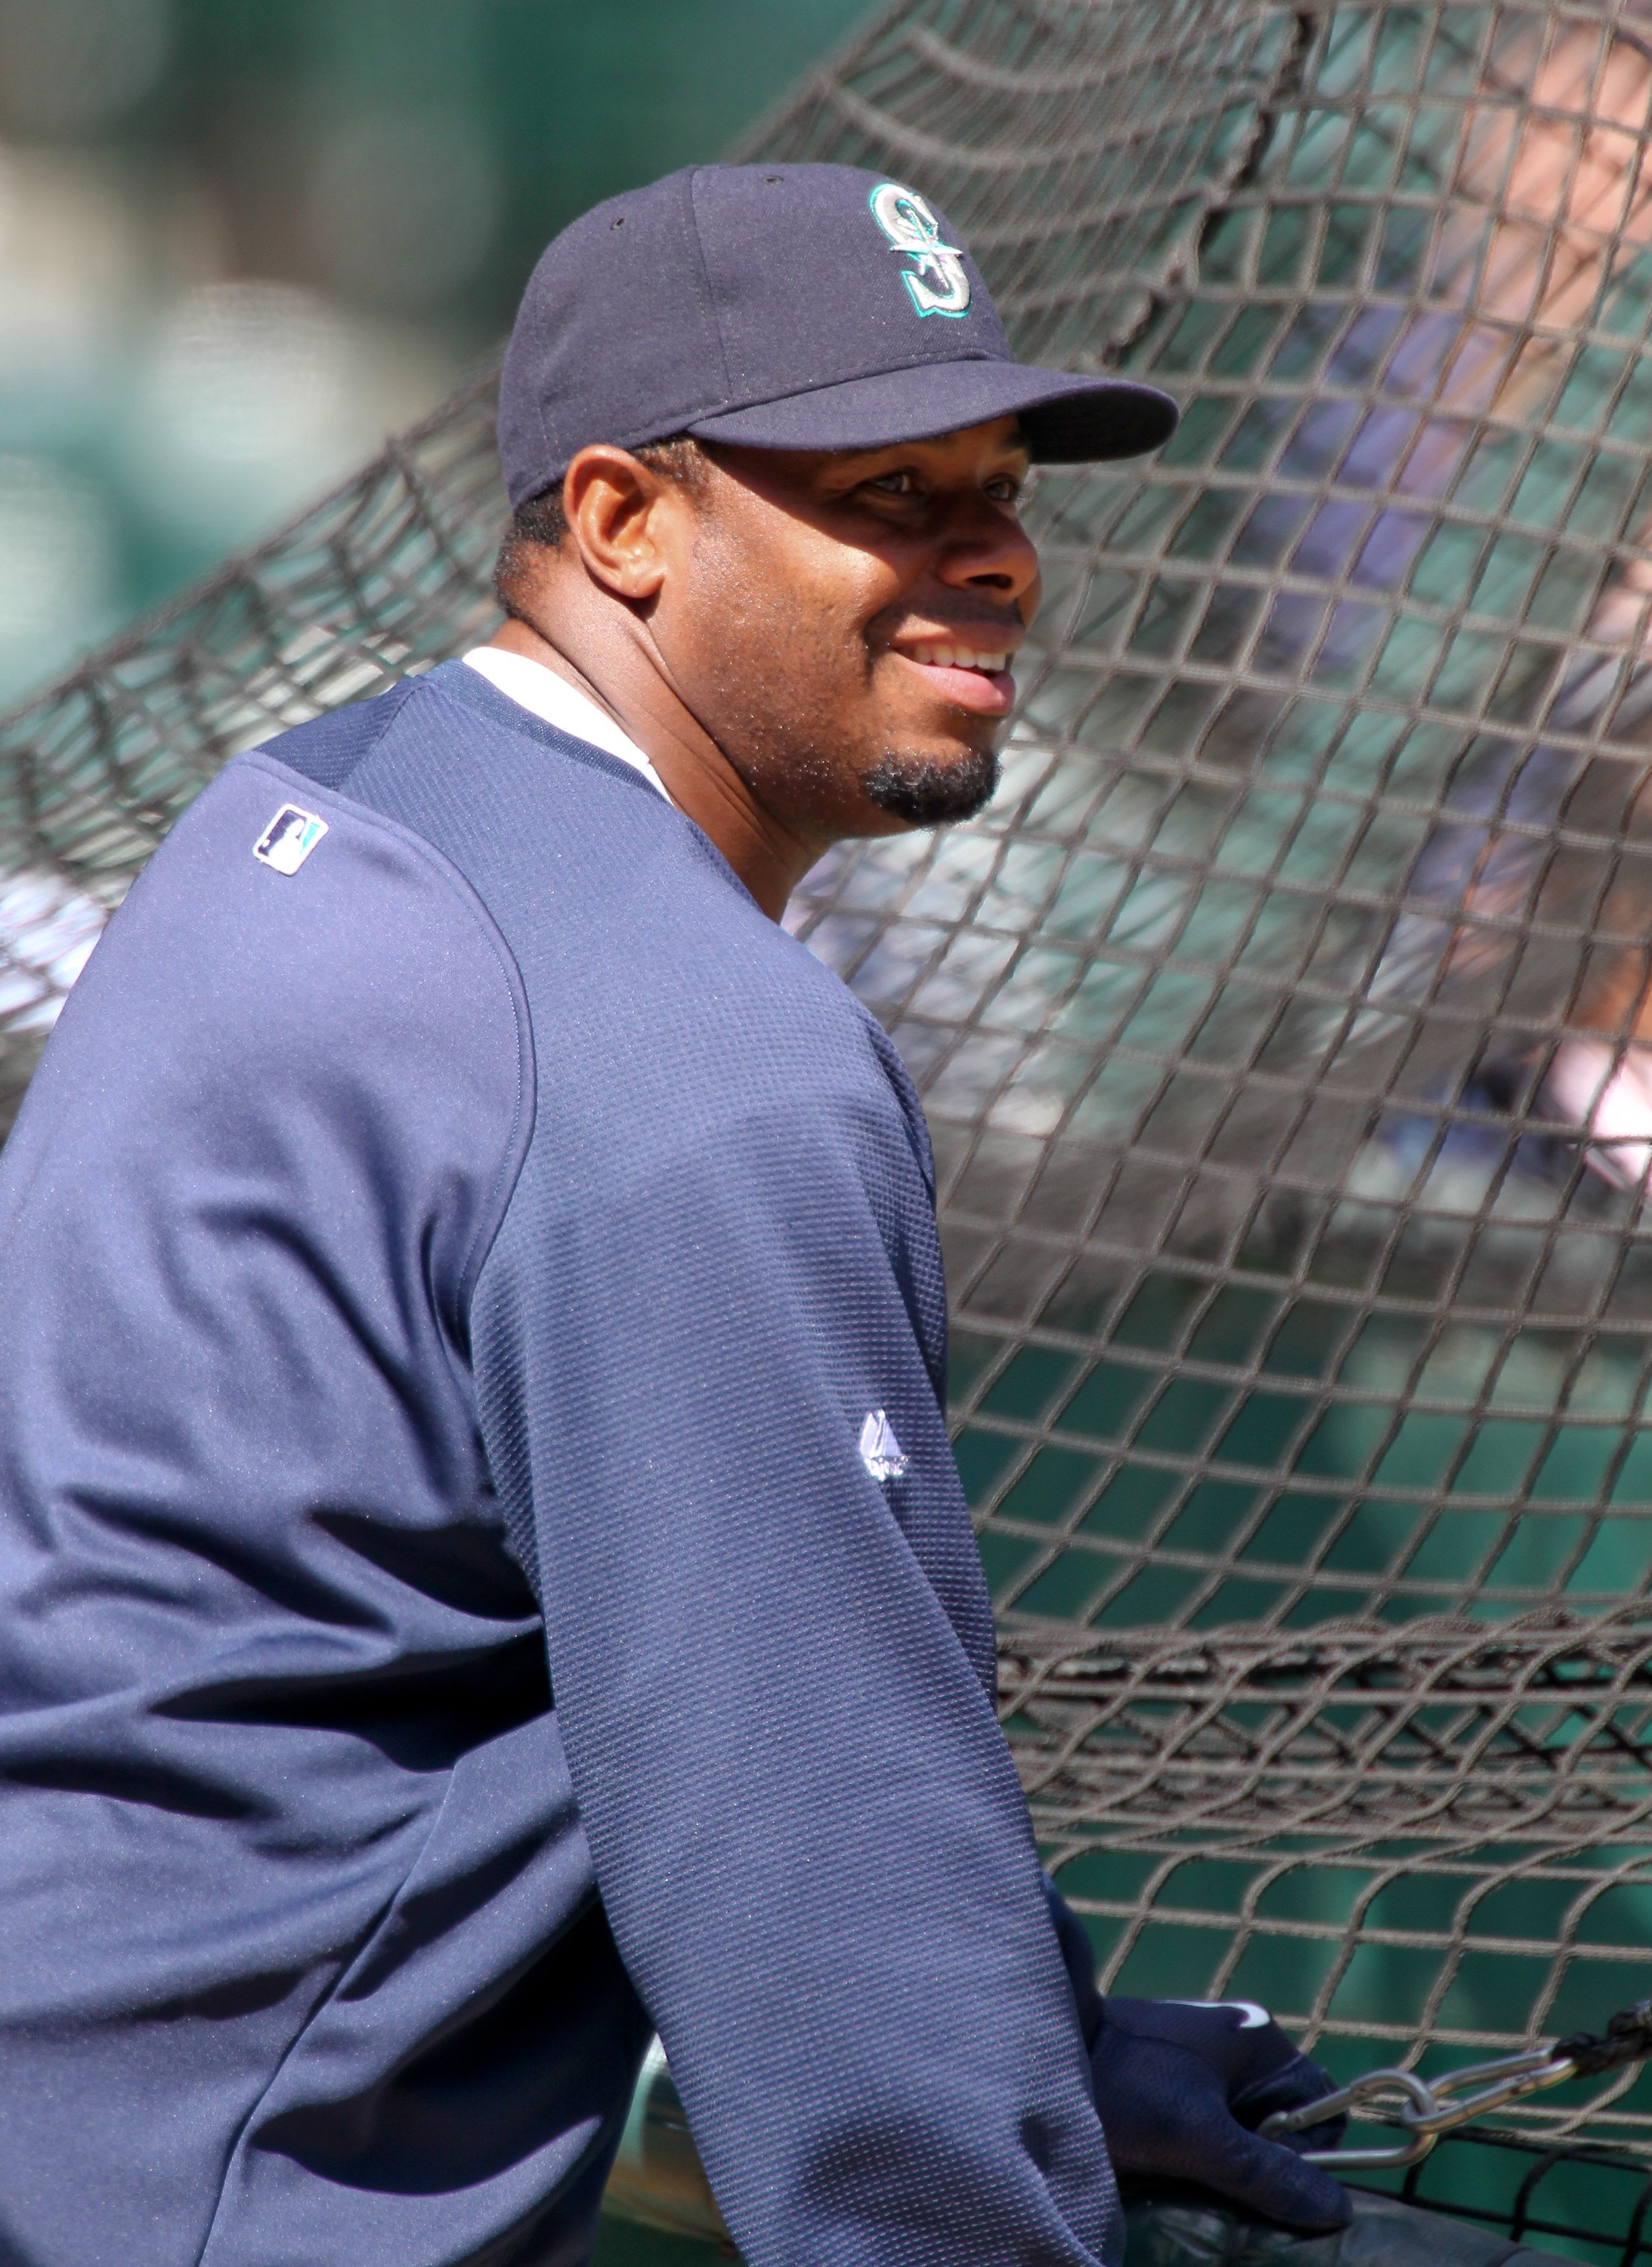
column 242, row 240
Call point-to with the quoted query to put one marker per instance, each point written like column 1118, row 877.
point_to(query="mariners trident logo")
column 936, row 279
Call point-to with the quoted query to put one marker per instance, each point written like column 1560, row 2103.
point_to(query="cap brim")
column 1068, row 420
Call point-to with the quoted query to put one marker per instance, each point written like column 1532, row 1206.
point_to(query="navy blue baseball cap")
column 785, row 307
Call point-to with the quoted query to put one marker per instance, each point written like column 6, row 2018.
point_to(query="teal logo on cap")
column 936, row 279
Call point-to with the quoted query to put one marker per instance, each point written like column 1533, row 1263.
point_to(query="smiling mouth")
column 972, row 677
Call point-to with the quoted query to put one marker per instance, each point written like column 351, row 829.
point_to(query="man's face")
column 843, row 624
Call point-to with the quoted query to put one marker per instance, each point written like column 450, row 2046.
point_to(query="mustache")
column 991, row 629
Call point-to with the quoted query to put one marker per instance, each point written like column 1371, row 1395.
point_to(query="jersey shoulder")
column 293, row 976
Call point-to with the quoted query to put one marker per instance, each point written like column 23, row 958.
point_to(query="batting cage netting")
column 1286, row 1024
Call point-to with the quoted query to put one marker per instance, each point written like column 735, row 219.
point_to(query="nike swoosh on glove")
column 1180, row 2087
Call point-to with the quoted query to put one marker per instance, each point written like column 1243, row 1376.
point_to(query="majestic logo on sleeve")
column 288, row 838
column 881, row 1453
column 936, row 280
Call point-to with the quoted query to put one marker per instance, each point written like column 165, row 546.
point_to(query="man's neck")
column 607, row 660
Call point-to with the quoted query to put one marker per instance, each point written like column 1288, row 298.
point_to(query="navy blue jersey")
column 481, row 1568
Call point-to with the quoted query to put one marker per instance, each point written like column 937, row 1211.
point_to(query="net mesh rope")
column 1285, row 1024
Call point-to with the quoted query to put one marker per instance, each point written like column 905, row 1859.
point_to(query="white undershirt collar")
column 547, row 695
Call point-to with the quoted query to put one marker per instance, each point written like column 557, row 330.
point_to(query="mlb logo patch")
column 288, row 838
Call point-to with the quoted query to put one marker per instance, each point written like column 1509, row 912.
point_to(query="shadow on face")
column 844, row 623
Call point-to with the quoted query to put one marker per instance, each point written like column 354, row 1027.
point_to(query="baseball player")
column 483, row 1573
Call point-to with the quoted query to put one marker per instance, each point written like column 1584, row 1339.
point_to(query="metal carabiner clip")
column 1423, row 2108
column 1414, row 2101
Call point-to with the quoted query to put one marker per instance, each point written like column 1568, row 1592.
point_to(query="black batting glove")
column 1180, row 2087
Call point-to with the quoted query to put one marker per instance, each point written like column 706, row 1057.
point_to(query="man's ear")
column 615, row 506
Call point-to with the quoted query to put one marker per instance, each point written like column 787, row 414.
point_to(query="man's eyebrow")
column 1016, row 448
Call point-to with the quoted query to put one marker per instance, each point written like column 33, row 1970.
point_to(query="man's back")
column 385, row 1241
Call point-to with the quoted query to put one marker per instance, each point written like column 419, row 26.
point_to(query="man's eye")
column 893, row 484
column 1005, row 490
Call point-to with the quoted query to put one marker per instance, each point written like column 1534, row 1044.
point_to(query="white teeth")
column 958, row 656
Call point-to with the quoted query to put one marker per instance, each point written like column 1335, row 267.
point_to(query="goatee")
column 925, row 793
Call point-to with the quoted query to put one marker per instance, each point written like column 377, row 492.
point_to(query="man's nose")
column 983, row 548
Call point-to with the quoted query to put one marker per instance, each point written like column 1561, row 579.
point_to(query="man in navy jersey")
column 482, row 1572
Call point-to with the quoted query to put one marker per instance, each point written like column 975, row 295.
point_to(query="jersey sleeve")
column 709, row 1372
